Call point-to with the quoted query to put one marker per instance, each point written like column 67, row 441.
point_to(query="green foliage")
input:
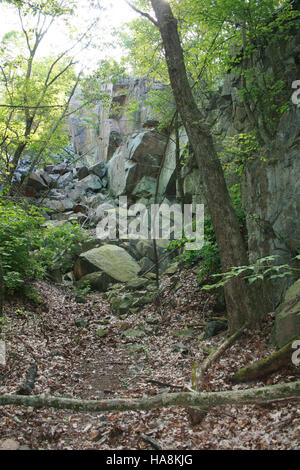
column 16, row 90
column 237, row 151
column 92, row 87
column 235, row 194
column 261, row 269
column 210, row 260
column 82, row 290
column 29, row 249
column 19, row 236
column 142, row 42
column 208, row 256
column 217, row 37
column 59, row 246
column 33, row 294
column 162, row 105
column 48, row 7
column 35, row 91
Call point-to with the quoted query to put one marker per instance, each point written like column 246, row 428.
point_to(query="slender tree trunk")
column 178, row 167
column 242, row 303
column 19, row 150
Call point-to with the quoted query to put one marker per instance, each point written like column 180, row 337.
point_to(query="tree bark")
column 243, row 303
column 185, row 399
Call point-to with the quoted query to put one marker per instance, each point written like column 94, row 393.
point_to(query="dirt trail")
column 73, row 360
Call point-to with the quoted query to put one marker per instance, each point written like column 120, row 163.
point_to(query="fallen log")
column 204, row 400
column 266, row 366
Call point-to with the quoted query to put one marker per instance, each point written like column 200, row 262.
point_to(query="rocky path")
column 83, row 351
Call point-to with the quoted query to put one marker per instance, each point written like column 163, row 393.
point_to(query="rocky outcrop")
column 96, row 134
column 122, row 153
column 271, row 198
column 135, row 161
column 287, row 322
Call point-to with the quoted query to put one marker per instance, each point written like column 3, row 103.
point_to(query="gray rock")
column 98, row 281
column 99, row 169
column 62, row 205
column 60, row 169
column 82, row 172
column 215, row 327
column 37, row 182
column 111, row 259
column 9, row 444
column 137, row 283
column 287, row 319
column 132, row 333
column 65, row 179
column 140, row 156
column 91, row 182
column 146, row 187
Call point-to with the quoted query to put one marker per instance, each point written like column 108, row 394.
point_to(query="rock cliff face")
column 271, row 198
column 122, row 152
column 136, row 153
column 270, row 182
column 111, row 125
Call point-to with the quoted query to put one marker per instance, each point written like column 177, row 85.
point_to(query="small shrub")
column 19, row 235
column 29, row 249
column 60, row 246
column 208, row 256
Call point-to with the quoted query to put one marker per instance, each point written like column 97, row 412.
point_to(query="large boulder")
column 99, row 169
column 82, row 172
column 287, row 322
column 60, row 205
column 145, row 187
column 37, row 182
column 145, row 247
column 140, row 156
column 98, row 281
column 114, row 261
column 91, row 182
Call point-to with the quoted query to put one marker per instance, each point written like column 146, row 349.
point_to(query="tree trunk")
column 179, row 179
column 243, row 303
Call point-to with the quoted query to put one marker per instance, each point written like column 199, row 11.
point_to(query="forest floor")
column 73, row 361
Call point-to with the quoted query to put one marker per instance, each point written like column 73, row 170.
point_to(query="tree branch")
column 185, row 399
column 146, row 15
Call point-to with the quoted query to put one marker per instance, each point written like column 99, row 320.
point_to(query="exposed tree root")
column 200, row 369
column 266, row 366
column 185, row 399
column 196, row 415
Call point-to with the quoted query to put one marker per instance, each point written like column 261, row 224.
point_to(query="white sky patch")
column 116, row 13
